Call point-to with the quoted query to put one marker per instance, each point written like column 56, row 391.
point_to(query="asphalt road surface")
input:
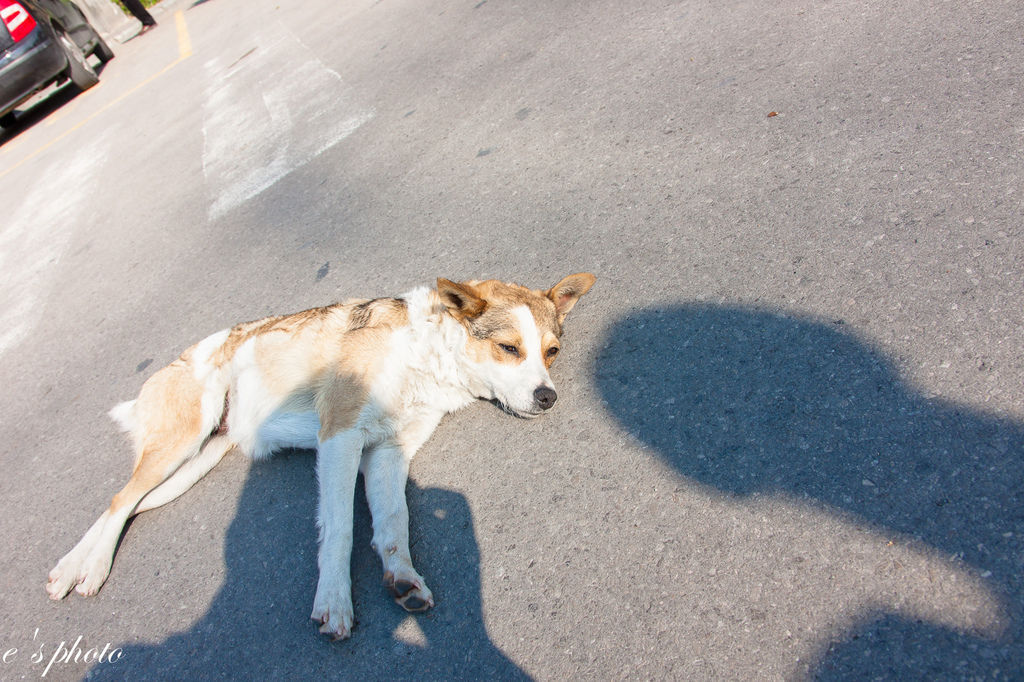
column 790, row 432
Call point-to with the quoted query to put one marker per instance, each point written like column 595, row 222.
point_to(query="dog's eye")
column 510, row 349
column 553, row 351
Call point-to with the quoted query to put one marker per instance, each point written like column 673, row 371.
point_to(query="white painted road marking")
column 37, row 234
column 255, row 100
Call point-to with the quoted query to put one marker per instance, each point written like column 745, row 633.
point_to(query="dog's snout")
column 545, row 397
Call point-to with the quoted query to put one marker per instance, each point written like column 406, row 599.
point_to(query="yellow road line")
column 184, row 42
column 184, row 52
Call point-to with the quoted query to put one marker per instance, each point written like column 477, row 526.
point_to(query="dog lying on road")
column 364, row 383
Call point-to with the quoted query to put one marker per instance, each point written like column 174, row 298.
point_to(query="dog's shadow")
column 749, row 401
column 258, row 625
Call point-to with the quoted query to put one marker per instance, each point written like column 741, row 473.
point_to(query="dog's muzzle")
column 544, row 397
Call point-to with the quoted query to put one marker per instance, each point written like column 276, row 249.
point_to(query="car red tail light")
column 17, row 19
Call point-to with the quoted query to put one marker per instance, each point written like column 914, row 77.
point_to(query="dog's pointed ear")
column 565, row 294
column 461, row 299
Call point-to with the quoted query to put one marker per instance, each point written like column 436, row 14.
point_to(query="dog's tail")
column 175, row 413
column 124, row 415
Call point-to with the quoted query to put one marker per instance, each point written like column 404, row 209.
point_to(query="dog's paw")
column 93, row 574
column 61, row 579
column 332, row 609
column 409, row 591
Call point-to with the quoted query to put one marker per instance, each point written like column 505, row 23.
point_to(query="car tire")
column 102, row 50
column 8, row 120
column 80, row 71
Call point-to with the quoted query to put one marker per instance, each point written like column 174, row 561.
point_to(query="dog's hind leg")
column 169, row 429
column 64, row 575
column 87, row 566
column 187, row 475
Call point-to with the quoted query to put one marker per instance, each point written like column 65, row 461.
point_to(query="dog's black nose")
column 545, row 397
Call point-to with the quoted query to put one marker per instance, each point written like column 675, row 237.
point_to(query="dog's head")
column 512, row 337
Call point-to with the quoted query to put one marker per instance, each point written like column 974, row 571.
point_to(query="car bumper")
column 28, row 67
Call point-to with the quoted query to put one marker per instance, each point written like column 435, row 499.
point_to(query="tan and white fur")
column 364, row 383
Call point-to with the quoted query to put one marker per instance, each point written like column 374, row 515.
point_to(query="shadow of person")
column 752, row 402
column 258, row 624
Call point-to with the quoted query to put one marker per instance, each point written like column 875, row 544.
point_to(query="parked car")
column 44, row 42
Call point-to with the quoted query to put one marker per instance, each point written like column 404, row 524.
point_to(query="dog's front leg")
column 385, row 471
column 337, row 467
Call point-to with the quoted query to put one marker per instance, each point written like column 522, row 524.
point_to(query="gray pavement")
column 790, row 430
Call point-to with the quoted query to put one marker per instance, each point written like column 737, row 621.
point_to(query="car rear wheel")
column 8, row 120
column 79, row 70
column 102, row 50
